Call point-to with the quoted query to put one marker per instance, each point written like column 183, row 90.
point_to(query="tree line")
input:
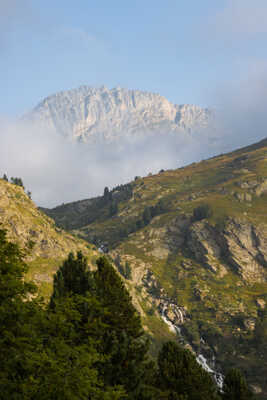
column 17, row 181
column 87, row 342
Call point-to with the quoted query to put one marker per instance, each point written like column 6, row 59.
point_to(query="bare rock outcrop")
column 247, row 249
column 240, row 246
column 203, row 242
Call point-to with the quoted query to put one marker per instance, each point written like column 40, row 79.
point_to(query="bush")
column 202, row 212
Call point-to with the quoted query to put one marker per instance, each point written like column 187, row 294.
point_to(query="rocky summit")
column 93, row 114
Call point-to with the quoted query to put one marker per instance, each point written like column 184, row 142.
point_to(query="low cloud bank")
column 57, row 171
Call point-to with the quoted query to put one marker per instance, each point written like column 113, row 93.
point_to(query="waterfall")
column 172, row 327
column 204, row 364
column 201, row 359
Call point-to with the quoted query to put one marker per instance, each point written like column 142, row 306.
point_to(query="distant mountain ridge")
column 90, row 114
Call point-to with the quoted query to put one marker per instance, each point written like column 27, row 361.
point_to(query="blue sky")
column 186, row 50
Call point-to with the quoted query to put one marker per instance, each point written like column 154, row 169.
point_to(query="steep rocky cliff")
column 196, row 241
column 91, row 114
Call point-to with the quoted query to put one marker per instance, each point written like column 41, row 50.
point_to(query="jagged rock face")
column 247, row 249
column 202, row 241
column 241, row 245
column 90, row 114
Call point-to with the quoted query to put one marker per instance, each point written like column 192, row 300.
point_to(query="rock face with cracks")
column 95, row 114
column 240, row 245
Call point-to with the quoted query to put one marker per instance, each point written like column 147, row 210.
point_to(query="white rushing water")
column 201, row 359
column 174, row 328
column 204, row 364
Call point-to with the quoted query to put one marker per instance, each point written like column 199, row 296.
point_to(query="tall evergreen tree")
column 73, row 277
column 235, row 386
column 147, row 215
column 17, row 181
column 108, row 317
column 179, row 374
column 128, row 270
column 106, row 193
column 42, row 356
column 113, row 208
column 107, row 196
column 123, row 341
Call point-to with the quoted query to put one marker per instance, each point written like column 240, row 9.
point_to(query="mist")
column 56, row 170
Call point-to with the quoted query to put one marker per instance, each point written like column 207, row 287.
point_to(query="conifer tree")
column 123, row 341
column 128, row 270
column 42, row 356
column 179, row 374
column 73, row 277
column 107, row 317
column 106, row 193
column 147, row 215
column 235, row 386
column 113, row 208
column 17, row 181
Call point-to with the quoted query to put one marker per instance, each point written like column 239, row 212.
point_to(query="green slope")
column 195, row 237
column 30, row 228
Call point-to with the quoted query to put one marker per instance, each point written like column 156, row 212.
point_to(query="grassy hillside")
column 232, row 184
column 47, row 244
column 195, row 237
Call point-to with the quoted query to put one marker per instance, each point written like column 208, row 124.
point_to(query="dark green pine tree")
column 5, row 177
column 128, row 270
column 123, row 340
column 43, row 354
column 109, row 318
column 17, row 181
column 202, row 212
column 106, row 193
column 260, row 332
column 107, row 196
column 179, row 374
column 12, row 271
column 73, row 277
column 113, row 208
column 235, row 386
column 147, row 215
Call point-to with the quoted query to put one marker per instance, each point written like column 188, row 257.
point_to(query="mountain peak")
column 88, row 113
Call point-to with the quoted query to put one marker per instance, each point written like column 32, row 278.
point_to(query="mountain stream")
column 201, row 359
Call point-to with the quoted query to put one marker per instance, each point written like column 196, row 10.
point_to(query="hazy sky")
column 209, row 52
column 182, row 49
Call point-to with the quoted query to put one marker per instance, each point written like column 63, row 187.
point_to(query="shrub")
column 202, row 212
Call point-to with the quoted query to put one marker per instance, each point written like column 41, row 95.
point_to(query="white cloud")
column 57, row 171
